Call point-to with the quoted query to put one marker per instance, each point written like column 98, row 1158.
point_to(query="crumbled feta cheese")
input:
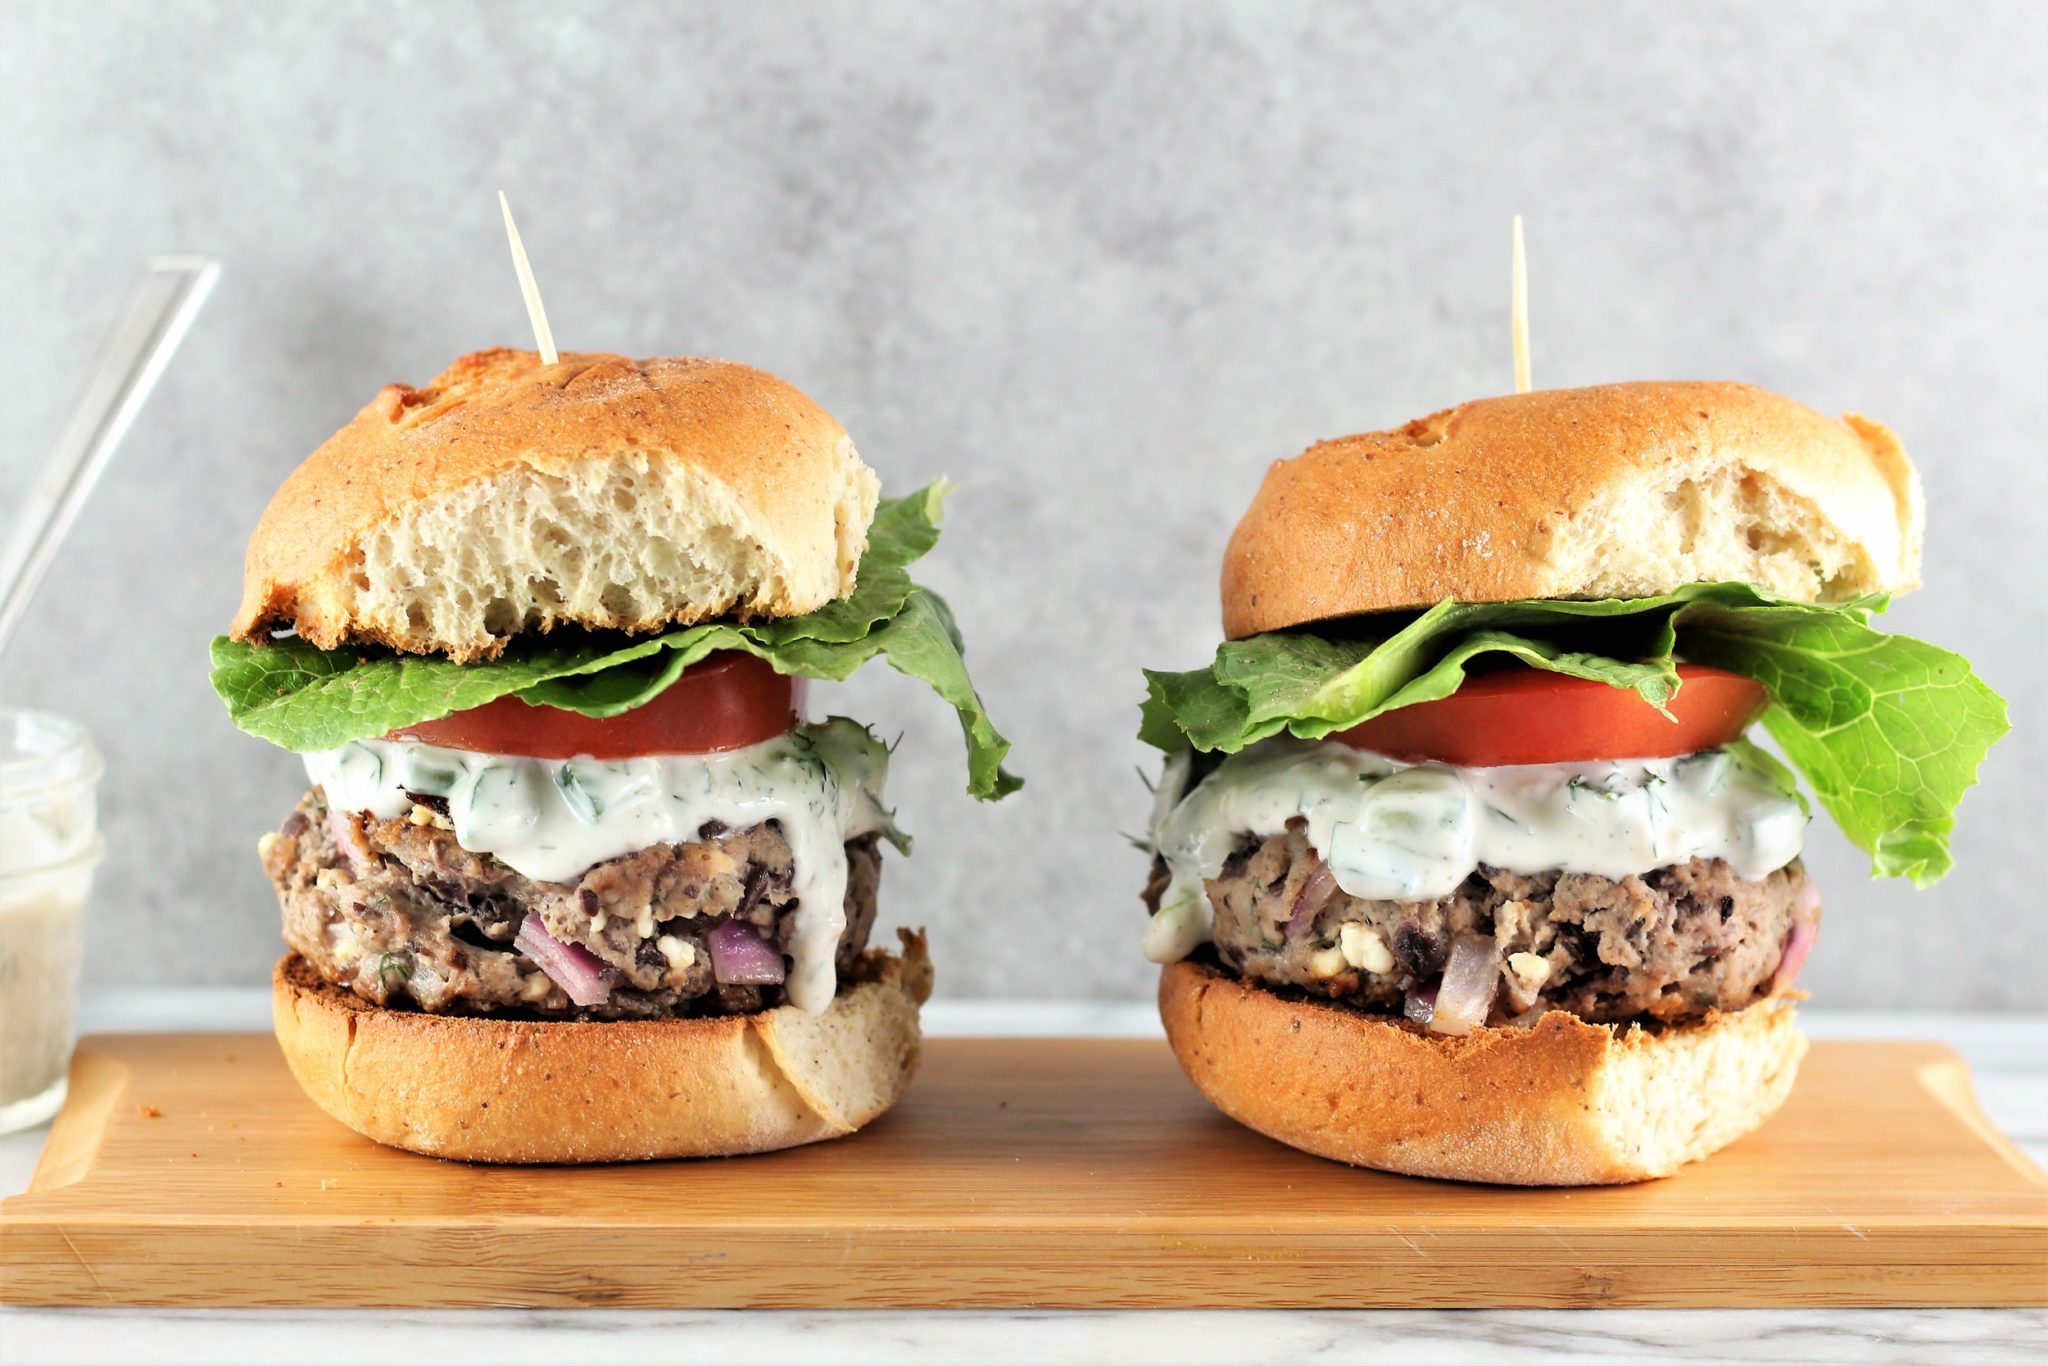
column 1365, row 948
column 422, row 814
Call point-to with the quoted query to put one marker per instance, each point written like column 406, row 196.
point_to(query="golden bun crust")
column 1625, row 490
column 485, row 1090
column 1563, row 1103
column 511, row 496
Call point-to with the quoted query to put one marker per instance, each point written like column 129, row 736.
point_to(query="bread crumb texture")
column 1625, row 490
column 509, row 496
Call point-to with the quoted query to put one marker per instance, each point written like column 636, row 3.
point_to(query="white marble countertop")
column 2008, row 1056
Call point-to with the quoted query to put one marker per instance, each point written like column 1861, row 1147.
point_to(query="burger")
column 1466, row 863
column 576, row 879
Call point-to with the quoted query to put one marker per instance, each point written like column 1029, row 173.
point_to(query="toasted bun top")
column 511, row 496
column 1625, row 490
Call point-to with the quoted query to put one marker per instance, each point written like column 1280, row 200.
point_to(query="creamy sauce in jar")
column 49, row 846
column 553, row 819
column 1412, row 832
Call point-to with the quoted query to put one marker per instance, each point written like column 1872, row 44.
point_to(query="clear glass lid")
column 48, row 767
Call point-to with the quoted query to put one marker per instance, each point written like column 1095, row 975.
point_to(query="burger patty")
column 1669, row 944
column 399, row 913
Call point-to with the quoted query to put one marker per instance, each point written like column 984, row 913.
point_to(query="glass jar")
column 49, row 846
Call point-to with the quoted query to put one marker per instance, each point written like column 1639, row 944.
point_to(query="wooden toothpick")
column 538, row 316
column 1518, row 313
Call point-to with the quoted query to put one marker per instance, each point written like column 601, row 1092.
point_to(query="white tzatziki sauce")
column 553, row 819
column 49, row 846
column 1412, row 832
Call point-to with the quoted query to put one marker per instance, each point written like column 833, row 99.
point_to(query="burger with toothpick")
column 578, row 876
column 1468, row 862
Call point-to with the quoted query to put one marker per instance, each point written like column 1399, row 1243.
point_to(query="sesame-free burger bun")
column 494, row 1090
column 510, row 496
column 1562, row 1103
column 1625, row 490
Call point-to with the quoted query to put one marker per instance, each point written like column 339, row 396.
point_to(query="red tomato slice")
column 1532, row 716
column 725, row 701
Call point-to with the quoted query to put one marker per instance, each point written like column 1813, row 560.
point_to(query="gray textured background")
column 1098, row 261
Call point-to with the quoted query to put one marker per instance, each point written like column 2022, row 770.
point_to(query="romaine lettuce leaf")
column 1888, row 730
column 308, row 699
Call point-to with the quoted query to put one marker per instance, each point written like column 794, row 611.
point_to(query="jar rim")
column 40, row 752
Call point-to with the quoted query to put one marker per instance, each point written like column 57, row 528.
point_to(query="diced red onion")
column 1465, row 996
column 1316, row 890
column 1798, row 944
column 741, row 957
column 348, row 840
column 573, row 968
column 1806, row 906
column 1420, row 1005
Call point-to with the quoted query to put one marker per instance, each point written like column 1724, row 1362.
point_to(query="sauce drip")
column 553, row 819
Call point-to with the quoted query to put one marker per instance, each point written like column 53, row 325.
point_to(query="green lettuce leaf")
column 307, row 699
column 1889, row 731
column 1754, row 756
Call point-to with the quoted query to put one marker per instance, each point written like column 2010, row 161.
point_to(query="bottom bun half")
column 1562, row 1103
column 491, row 1090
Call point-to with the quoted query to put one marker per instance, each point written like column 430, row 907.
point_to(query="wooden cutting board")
column 188, row 1170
